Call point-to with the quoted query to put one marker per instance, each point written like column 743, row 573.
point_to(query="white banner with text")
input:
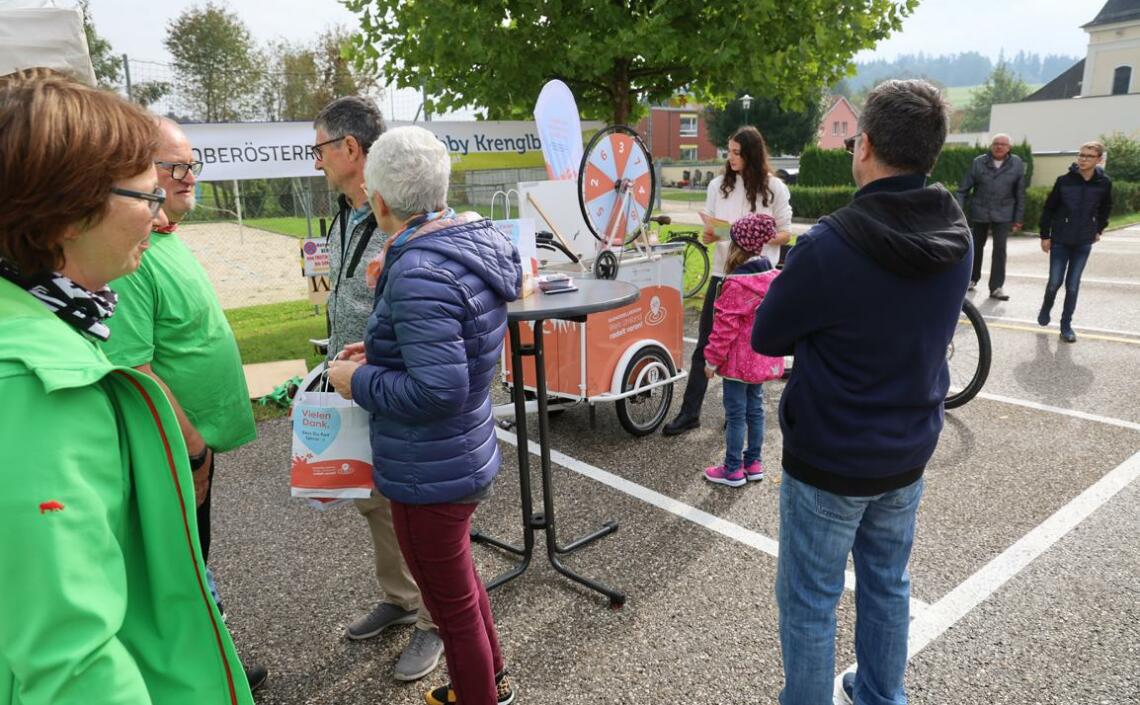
column 277, row 150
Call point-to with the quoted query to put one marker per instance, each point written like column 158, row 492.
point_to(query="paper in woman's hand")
column 716, row 225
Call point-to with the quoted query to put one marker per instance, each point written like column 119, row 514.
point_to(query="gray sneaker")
column 420, row 657
column 385, row 615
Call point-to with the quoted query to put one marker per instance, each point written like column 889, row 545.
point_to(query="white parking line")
column 1062, row 411
column 1108, row 331
column 1084, row 280
column 687, row 512
column 956, row 604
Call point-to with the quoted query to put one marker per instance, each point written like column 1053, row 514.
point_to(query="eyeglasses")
column 317, row 147
column 849, row 144
column 178, row 170
column 156, row 197
column 1088, row 156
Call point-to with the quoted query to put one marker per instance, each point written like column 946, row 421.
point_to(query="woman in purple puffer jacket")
column 430, row 353
column 729, row 350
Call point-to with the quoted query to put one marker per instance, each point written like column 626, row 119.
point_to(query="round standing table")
column 592, row 296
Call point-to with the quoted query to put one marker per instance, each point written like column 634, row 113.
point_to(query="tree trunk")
column 620, row 92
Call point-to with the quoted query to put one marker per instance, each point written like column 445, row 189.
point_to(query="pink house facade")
column 838, row 123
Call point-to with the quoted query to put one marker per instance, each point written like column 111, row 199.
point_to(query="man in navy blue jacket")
column 1075, row 214
column 868, row 302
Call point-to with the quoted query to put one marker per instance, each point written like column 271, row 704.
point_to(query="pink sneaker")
column 754, row 472
column 717, row 474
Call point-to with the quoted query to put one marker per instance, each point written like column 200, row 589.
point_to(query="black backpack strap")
column 361, row 245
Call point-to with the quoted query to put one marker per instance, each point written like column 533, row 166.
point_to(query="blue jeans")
column 743, row 410
column 817, row 531
column 1062, row 257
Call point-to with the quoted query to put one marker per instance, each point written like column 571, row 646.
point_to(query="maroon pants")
column 436, row 542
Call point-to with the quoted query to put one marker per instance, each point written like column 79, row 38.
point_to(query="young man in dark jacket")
column 1075, row 214
column 868, row 302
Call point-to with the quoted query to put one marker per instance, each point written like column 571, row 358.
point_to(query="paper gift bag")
column 332, row 455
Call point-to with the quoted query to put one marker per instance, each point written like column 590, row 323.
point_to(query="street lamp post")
column 746, row 101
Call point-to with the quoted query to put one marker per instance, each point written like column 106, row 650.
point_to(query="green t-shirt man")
column 168, row 316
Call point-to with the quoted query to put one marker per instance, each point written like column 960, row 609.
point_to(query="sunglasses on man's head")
column 849, row 144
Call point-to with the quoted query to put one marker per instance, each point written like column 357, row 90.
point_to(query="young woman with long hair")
column 747, row 186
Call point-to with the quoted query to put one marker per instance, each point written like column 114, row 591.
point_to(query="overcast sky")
column 937, row 26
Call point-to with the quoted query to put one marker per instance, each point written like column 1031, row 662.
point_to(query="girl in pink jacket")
column 729, row 351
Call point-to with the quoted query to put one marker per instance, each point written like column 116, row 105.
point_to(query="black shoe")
column 444, row 695
column 681, row 424
column 999, row 295
column 256, row 674
column 1068, row 335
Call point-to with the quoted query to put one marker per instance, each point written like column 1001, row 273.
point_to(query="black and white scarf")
column 80, row 308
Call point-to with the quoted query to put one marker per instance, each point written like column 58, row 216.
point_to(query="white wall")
column 1062, row 125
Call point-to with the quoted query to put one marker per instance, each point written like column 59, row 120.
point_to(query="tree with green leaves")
column 107, row 64
column 617, row 57
column 785, row 131
column 300, row 80
column 146, row 93
column 216, row 64
column 1003, row 86
column 1123, row 156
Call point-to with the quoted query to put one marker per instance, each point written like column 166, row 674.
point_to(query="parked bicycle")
column 968, row 356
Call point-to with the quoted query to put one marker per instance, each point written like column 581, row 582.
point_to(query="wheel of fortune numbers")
column 616, row 185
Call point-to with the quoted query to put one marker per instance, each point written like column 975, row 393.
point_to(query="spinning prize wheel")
column 615, row 185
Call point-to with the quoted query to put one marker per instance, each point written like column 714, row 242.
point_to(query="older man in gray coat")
column 997, row 206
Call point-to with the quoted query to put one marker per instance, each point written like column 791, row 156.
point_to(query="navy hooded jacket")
column 868, row 302
column 432, row 346
column 1077, row 210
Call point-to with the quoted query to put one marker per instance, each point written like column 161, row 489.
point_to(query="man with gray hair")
column 997, row 206
column 867, row 302
column 345, row 130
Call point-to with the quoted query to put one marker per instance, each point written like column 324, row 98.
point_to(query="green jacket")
column 103, row 596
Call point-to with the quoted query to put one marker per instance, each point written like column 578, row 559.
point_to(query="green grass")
column 959, row 96
column 683, row 194
column 274, row 332
column 291, row 226
column 1122, row 221
column 282, row 331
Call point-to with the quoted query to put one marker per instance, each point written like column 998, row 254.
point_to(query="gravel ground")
column 700, row 624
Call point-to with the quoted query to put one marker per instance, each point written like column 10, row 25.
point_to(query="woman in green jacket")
column 103, row 597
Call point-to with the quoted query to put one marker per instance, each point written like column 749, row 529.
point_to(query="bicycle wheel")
column 696, row 263
column 968, row 356
column 616, row 185
column 640, row 414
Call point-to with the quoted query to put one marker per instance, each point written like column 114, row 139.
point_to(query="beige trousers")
column 391, row 570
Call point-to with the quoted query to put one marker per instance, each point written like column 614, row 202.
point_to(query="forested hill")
column 966, row 69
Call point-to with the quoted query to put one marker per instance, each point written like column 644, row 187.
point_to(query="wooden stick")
column 553, row 228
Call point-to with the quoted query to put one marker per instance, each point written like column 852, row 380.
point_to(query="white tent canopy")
column 40, row 33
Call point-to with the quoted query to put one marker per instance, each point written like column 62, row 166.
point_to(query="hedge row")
column 817, row 201
column 832, row 167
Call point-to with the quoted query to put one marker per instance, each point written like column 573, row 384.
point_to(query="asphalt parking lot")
column 1026, row 566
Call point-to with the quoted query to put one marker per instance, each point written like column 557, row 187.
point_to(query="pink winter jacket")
column 729, row 350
